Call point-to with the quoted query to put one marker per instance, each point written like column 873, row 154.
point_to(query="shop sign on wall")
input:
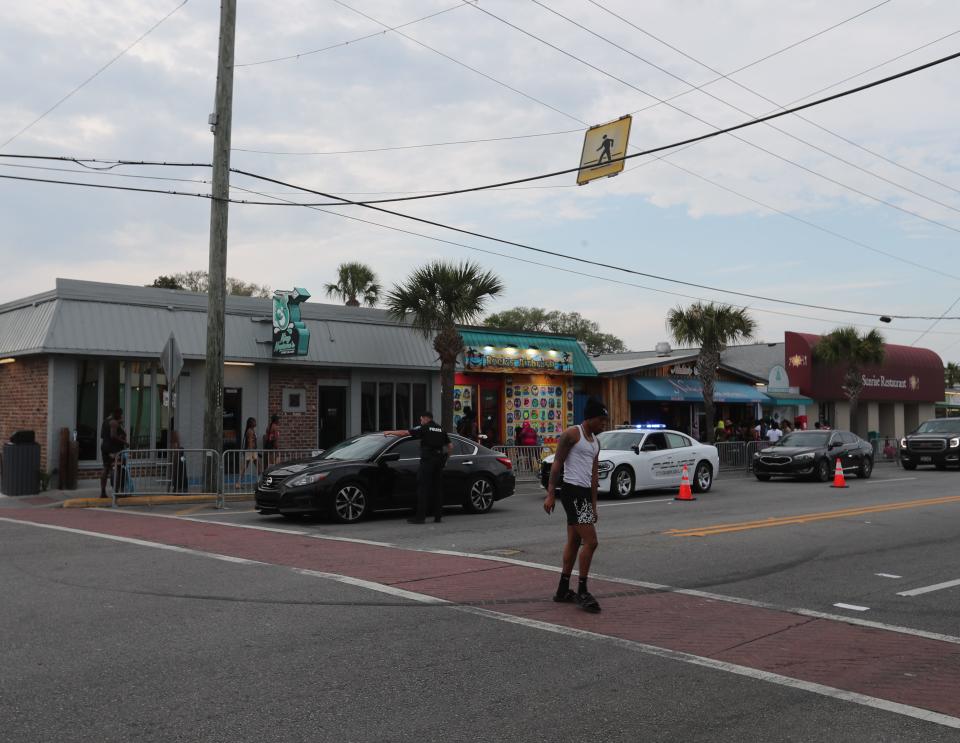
column 290, row 334
column 512, row 360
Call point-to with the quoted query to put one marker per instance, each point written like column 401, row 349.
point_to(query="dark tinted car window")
column 804, row 438
column 409, row 449
column 656, row 439
column 848, row 438
column 462, row 447
column 619, row 440
column 944, row 425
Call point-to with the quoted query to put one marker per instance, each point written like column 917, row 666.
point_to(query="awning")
column 641, row 389
column 781, row 400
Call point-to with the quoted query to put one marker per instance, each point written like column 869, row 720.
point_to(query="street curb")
column 150, row 500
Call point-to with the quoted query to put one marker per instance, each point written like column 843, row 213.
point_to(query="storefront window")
column 419, row 400
column 141, row 407
column 368, row 407
column 114, row 387
column 403, row 405
column 386, row 406
column 88, row 433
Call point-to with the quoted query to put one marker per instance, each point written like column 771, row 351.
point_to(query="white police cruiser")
column 647, row 458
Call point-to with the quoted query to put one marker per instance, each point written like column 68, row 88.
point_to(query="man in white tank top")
column 576, row 462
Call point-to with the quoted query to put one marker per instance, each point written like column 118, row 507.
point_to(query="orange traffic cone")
column 838, row 481
column 685, row 492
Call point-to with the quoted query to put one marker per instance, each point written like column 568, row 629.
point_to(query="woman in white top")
column 576, row 462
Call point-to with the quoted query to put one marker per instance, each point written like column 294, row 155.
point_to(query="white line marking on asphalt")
column 598, row 576
column 930, row 589
column 634, row 503
column 887, row 575
column 675, row 655
column 892, row 479
column 138, row 542
column 852, row 607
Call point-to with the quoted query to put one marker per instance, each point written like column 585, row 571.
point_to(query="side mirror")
column 636, row 449
column 389, row 457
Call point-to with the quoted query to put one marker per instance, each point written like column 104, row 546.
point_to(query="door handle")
column 466, row 463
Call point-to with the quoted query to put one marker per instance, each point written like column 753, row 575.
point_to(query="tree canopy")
column 197, row 281
column 356, row 284
column 540, row 320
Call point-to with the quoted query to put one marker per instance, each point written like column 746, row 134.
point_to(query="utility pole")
column 220, row 122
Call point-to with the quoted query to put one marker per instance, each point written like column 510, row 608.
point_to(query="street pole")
column 220, row 122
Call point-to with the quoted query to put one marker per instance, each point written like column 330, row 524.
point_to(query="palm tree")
column 951, row 374
column 441, row 296
column 845, row 346
column 355, row 282
column 712, row 327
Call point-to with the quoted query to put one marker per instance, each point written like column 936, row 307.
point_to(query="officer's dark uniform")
column 433, row 454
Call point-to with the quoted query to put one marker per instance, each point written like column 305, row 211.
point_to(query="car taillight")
column 506, row 462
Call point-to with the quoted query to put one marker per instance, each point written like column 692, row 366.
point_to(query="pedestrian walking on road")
column 435, row 447
column 576, row 462
column 113, row 439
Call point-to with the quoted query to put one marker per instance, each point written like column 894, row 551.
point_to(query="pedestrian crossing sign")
column 604, row 146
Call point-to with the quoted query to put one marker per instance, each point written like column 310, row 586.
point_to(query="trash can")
column 21, row 465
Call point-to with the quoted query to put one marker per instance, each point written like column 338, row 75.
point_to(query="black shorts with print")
column 578, row 503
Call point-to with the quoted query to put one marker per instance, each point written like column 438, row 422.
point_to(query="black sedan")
column 814, row 454
column 374, row 472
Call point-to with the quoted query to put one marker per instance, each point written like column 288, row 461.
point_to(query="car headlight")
column 756, row 455
column 605, row 466
column 903, row 443
column 955, row 442
column 805, row 456
column 307, row 479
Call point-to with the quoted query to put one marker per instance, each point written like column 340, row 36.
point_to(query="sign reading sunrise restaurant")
column 290, row 334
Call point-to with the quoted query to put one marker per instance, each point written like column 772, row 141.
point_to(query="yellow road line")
column 192, row 509
column 704, row 531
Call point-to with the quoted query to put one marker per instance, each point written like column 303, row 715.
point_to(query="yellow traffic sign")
column 604, row 146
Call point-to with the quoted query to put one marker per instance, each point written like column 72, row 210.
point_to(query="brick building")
column 70, row 356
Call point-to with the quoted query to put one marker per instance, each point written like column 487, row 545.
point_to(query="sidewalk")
column 89, row 497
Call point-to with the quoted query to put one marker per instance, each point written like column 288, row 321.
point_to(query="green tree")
column 951, row 374
column 540, row 320
column 356, row 283
column 712, row 327
column 847, row 348
column 438, row 297
column 197, row 281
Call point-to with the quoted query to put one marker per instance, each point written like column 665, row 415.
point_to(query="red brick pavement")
column 886, row 664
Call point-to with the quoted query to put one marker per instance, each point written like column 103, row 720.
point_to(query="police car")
column 647, row 458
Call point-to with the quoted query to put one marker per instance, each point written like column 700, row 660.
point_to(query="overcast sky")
column 812, row 230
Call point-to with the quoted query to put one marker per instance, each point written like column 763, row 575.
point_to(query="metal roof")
column 615, row 363
column 89, row 318
column 582, row 366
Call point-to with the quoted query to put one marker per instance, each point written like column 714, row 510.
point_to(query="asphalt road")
column 109, row 640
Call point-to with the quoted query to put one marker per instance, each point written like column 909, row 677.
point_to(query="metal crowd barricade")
column 241, row 468
column 526, row 459
column 733, row 455
column 166, row 472
column 752, row 448
column 885, row 448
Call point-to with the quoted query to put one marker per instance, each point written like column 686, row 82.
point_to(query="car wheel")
column 762, row 477
column 622, row 483
column 702, row 477
column 866, row 468
column 823, row 470
column 908, row 465
column 350, row 503
column 479, row 496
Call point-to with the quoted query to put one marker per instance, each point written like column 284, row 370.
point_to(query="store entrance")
column 332, row 416
column 490, row 414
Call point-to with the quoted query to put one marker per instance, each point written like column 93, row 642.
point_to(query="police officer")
column 435, row 447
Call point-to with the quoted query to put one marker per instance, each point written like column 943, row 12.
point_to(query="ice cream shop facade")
column 508, row 379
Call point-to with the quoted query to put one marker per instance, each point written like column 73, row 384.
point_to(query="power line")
column 717, row 98
column 698, row 118
column 348, row 42
column 661, row 148
column 106, row 173
column 578, row 273
column 95, row 74
column 578, row 259
column 104, row 185
column 82, row 161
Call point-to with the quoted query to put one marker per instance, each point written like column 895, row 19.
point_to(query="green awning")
column 479, row 339
column 785, row 402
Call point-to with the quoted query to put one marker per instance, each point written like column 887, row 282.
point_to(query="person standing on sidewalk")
column 435, row 447
column 576, row 462
column 113, row 439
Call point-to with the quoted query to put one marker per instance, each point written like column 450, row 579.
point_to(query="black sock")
column 564, row 583
column 583, row 585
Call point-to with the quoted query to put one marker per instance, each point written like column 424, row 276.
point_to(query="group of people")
column 763, row 429
column 251, row 458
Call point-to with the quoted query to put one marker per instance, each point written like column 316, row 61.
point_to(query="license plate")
column 926, row 459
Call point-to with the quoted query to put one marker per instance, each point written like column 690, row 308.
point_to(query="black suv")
column 935, row 442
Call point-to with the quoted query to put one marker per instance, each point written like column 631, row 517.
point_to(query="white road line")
column 954, row 640
column 892, row 479
column 930, row 589
column 852, row 607
column 887, row 575
column 634, row 503
column 675, row 655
